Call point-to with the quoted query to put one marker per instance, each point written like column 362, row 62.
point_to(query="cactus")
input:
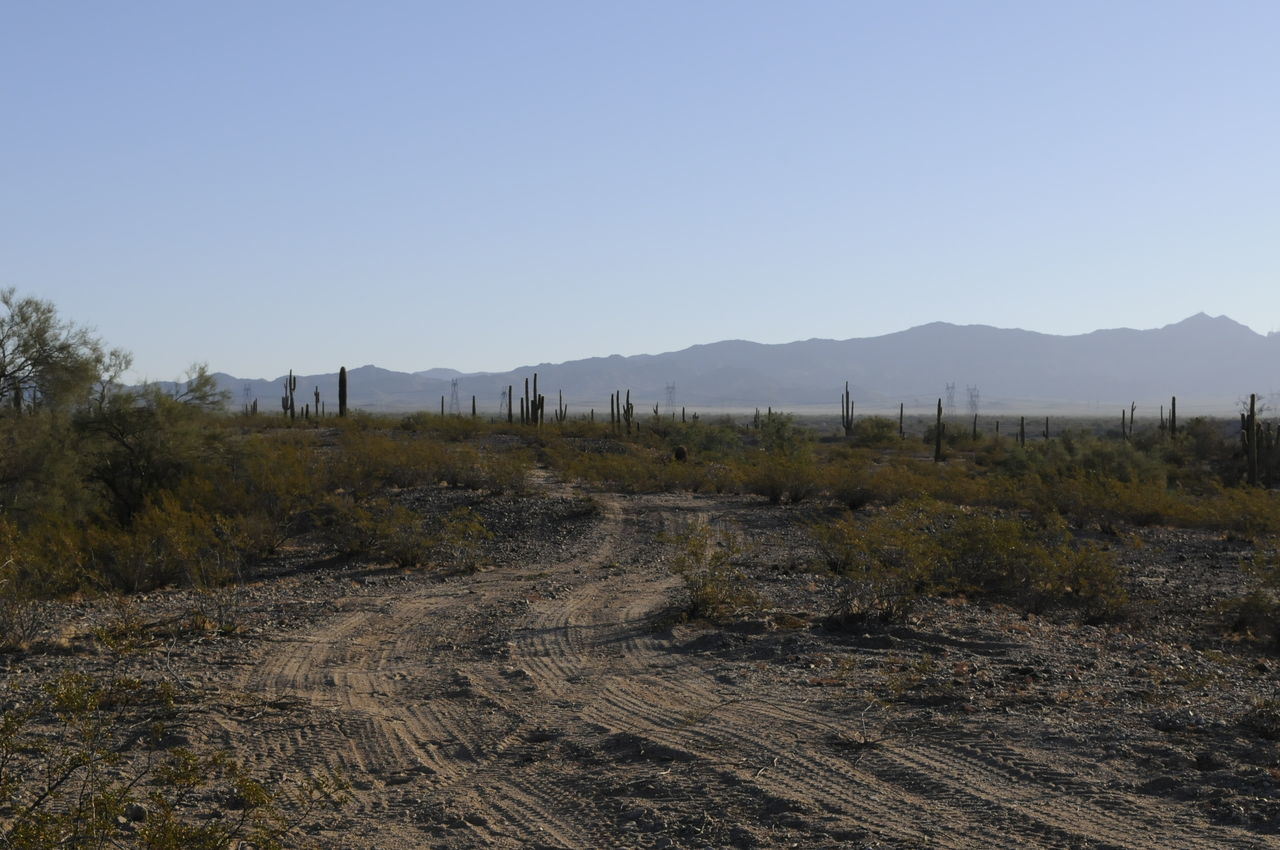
column 628, row 412
column 937, row 435
column 902, row 433
column 562, row 412
column 1249, row 433
column 342, row 392
column 286, row 401
column 1046, row 427
column 1022, row 431
column 1173, row 416
column 846, row 411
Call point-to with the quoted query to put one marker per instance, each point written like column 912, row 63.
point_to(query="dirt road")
column 554, row 704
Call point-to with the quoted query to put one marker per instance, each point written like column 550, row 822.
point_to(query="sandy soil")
column 553, row 699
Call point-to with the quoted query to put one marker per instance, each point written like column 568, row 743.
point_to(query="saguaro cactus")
column 1249, row 433
column 937, row 435
column 846, row 411
column 342, row 391
column 286, row 401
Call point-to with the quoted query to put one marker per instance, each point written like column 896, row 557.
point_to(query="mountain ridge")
column 1204, row 360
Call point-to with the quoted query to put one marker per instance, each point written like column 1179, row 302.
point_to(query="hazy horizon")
column 481, row 187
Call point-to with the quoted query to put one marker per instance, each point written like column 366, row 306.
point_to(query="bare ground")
column 554, row 699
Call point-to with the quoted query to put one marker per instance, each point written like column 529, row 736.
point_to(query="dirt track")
column 553, row 704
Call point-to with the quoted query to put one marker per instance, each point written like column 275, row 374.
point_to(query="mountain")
column 1208, row 362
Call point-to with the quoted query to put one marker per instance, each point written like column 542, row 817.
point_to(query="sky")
column 265, row 186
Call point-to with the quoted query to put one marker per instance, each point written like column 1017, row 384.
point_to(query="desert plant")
column 85, row 762
column 458, row 541
column 705, row 558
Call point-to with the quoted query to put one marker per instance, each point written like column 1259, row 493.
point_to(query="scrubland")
column 445, row 631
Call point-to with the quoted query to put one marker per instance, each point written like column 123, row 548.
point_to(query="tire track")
column 590, row 710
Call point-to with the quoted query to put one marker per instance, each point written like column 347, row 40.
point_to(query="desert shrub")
column 881, row 564
column 378, row 528
column 1257, row 613
column 782, row 476
column 705, row 439
column 875, row 431
column 705, row 559
column 451, row 428
column 365, row 461
column 84, row 762
column 20, row 619
column 166, row 543
column 780, row 434
column 458, row 541
column 1262, row 718
column 884, row 562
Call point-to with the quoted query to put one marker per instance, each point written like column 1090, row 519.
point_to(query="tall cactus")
column 628, row 412
column 846, row 411
column 1249, row 433
column 937, row 435
column 286, row 401
column 562, row 412
column 342, row 391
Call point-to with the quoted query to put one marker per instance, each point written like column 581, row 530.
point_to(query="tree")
column 46, row 361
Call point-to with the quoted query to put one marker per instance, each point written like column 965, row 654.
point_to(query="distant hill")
column 1209, row 363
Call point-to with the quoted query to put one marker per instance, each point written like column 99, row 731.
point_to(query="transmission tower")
column 671, row 395
column 973, row 400
column 455, row 406
column 504, row 404
column 951, row 399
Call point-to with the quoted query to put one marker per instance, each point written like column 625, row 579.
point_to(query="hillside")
column 1209, row 363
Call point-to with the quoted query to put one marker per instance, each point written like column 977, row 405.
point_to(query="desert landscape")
column 584, row 642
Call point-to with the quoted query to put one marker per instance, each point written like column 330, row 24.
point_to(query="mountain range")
column 1209, row 363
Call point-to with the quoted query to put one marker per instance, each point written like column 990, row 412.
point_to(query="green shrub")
column 884, row 562
column 705, row 559
column 881, row 564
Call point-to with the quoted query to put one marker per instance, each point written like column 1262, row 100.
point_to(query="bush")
column 885, row 562
column 882, row 564
column 875, row 431
column 704, row 558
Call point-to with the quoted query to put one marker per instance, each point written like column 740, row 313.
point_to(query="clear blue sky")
column 272, row 185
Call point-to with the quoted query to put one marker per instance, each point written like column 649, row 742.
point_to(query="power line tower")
column 671, row 395
column 974, row 398
column 951, row 399
column 455, row 406
column 504, row 405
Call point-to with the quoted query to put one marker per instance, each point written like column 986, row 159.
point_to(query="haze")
column 486, row 185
